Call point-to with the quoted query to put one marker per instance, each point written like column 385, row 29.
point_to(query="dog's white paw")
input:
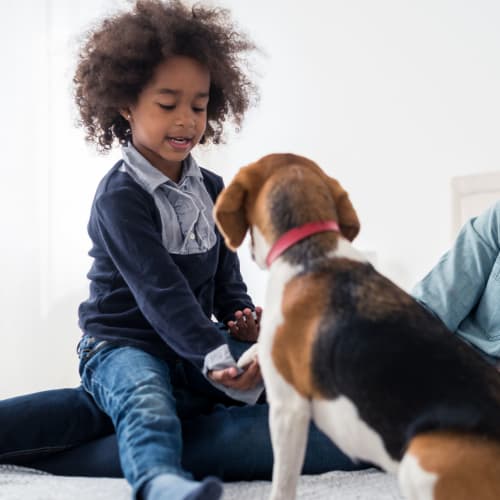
column 247, row 357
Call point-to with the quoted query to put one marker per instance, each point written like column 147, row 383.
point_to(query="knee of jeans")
column 146, row 389
column 152, row 395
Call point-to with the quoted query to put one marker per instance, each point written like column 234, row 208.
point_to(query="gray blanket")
column 17, row 483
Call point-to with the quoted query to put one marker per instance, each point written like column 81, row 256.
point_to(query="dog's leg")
column 248, row 356
column 289, row 417
column 415, row 482
column 450, row 466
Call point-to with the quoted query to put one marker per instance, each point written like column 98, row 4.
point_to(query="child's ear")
column 230, row 216
column 348, row 219
column 125, row 113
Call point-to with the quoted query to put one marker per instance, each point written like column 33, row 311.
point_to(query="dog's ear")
column 229, row 214
column 348, row 219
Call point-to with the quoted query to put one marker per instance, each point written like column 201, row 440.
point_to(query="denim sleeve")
column 456, row 283
column 126, row 229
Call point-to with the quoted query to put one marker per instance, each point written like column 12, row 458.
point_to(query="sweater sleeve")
column 456, row 283
column 161, row 291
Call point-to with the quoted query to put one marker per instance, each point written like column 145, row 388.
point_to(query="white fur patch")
column 248, row 356
column 280, row 274
column 346, row 250
column 289, row 412
column 289, row 417
column 415, row 482
column 259, row 247
column 339, row 419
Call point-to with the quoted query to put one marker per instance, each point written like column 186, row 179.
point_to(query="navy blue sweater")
column 143, row 296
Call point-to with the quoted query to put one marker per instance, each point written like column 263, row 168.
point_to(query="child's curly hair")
column 119, row 57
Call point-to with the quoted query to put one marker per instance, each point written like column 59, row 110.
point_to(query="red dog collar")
column 297, row 234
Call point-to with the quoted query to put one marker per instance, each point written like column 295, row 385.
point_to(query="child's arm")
column 124, row 224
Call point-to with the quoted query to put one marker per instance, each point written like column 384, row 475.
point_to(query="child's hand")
column 246, row 325
column 229, row 377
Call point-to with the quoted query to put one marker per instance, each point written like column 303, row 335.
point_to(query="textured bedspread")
column 18, row 483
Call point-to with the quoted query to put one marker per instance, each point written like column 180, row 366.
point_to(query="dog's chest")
column 297, row 304
column 272, row 317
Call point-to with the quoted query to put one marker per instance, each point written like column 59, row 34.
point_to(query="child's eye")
column 168, row 107
column 199, row 110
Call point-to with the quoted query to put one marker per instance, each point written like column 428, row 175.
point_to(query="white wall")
column 48, row 180
column 391, row 97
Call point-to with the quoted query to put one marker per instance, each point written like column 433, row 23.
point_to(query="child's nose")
column 185, row 118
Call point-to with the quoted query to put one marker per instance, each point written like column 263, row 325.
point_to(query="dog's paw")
column 247, row 357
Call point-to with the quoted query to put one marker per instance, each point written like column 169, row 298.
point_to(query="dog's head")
column 275, row 194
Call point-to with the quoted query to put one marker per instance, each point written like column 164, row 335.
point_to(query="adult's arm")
column 456, row 283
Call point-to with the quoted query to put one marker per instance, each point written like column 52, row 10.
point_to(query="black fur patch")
column 403, row 370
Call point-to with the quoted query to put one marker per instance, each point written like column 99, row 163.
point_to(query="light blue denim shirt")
column 463, row 289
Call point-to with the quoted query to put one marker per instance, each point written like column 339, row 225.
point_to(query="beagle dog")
column 342, row 345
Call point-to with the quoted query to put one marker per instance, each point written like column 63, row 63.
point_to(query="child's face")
column 170, row 115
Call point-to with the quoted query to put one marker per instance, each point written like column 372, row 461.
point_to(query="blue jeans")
column 64, row 432
column 135, row 389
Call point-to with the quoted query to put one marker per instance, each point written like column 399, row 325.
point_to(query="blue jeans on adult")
column 63, row 432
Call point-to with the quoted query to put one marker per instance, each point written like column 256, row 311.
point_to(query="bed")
column 470, row 195
column 18, row 483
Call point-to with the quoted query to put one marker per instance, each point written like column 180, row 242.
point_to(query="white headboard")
column 472, row 194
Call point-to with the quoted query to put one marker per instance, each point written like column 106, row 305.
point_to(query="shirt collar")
column 190, row 169
column 149, row 177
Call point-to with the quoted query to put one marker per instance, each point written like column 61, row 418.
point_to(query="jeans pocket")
column 88, row 346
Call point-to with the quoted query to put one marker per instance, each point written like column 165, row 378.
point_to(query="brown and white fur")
column 343, row 346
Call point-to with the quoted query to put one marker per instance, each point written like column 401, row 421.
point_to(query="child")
column 160, row 80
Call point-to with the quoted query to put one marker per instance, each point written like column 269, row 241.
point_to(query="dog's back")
column 404, row 371
column 389, row 383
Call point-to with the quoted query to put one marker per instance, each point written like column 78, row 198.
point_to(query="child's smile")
column 170, row 115
column 180, row 143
